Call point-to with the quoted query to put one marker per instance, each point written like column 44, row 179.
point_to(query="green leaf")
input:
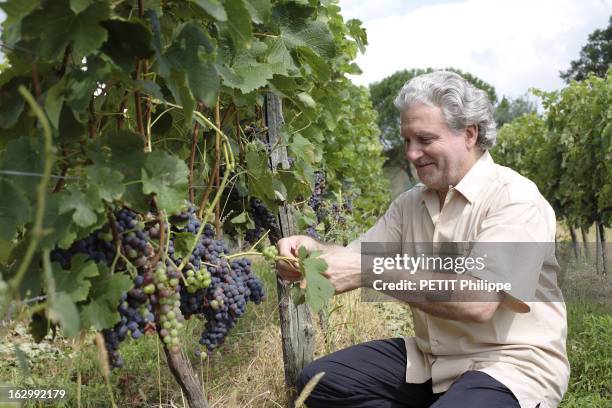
column 241, row 218
column 260, row 10
column 212, row 7
column 24, row 155
column 188, row 68
column 80, row 5
column 54, row 100
column 106, row 291
column 75, row 282
column 109, row 183
column 278, row 53
column 306, row 99
column 11, row 103
column 318, row 65
column 166, row 176
column 14, row 209
column 127, row 41
column 260, row 179
column 255, row 75
column 85, row 205
column 183, row 241
column 55, row 26
column 313, row 34
column 239, row 23
column 62, row 310
column 318, row 288
column 306, row 218
column 301, row 147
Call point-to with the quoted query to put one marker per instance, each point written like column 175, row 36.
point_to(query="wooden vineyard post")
column 181, row 369
column 297, row 330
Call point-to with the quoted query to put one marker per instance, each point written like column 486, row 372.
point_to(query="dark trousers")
column 373, row 375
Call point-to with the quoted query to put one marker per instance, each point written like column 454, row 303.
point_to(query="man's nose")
column 413, row 152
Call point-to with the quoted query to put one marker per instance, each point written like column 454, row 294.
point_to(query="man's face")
column 441, row 156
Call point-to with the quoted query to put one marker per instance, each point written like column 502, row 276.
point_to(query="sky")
column 511, row 44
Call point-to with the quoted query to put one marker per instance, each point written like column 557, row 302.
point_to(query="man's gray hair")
column 462, row 103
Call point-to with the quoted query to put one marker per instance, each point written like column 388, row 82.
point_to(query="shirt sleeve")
column 388, row 228
column 514, row 241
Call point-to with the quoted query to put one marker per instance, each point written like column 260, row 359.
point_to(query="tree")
column 595, row 56
column 509, row 109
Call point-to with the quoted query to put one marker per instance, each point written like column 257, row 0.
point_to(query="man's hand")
column 343, row 265
column 289, row 247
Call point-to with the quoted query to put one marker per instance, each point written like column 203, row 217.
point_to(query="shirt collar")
column 473, row 181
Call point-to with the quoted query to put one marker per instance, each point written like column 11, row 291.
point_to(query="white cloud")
column 512, row 44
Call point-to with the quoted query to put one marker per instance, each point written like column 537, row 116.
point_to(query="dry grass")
column 258, row 381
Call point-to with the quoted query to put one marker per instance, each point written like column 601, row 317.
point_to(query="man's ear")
column 471, row 135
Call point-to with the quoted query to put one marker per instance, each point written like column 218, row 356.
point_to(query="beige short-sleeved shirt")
column 524, row 351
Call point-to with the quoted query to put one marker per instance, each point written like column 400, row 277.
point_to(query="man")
column 505, row 350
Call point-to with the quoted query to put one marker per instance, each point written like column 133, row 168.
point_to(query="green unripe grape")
column 214, row 304
column 171, row 315
column 180, row 326
column 167, row 339
column 190, row 273
column 175, row 341
column 174, row 332
column 149, row 289
column 140, row 225
column 167, row 325
column 132, row 253
column 173, row 282
column 191, row 281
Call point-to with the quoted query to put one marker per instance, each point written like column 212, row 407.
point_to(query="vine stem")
column 41, row 190
column 218, row 167
column 194, row 146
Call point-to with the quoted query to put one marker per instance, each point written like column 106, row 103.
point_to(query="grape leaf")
column 318, row 65
column 259, row 183
column 86, row 205
column 14, row 209
column 192, row 53
column 318, row 288
column 166, row 176
column 313, row 34
column 55, row 26
column 256, row 75
column 238, row 23
column 80, row 5
column 183, row 241
column 107, row 182
column 260, row 10
column 62, row 310
column 127, row 40
column 75, row 282
column 106, row 291
column 212, row 7
column 23, row 157
column 11, row 103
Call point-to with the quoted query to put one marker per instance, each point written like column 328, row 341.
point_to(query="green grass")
column 589, row 348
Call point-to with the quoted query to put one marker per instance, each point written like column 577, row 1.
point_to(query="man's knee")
column 308, row 373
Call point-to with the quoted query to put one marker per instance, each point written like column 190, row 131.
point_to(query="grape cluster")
column 161, row 297
column 316, row 202
column 136, row 318
column 264, row 220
